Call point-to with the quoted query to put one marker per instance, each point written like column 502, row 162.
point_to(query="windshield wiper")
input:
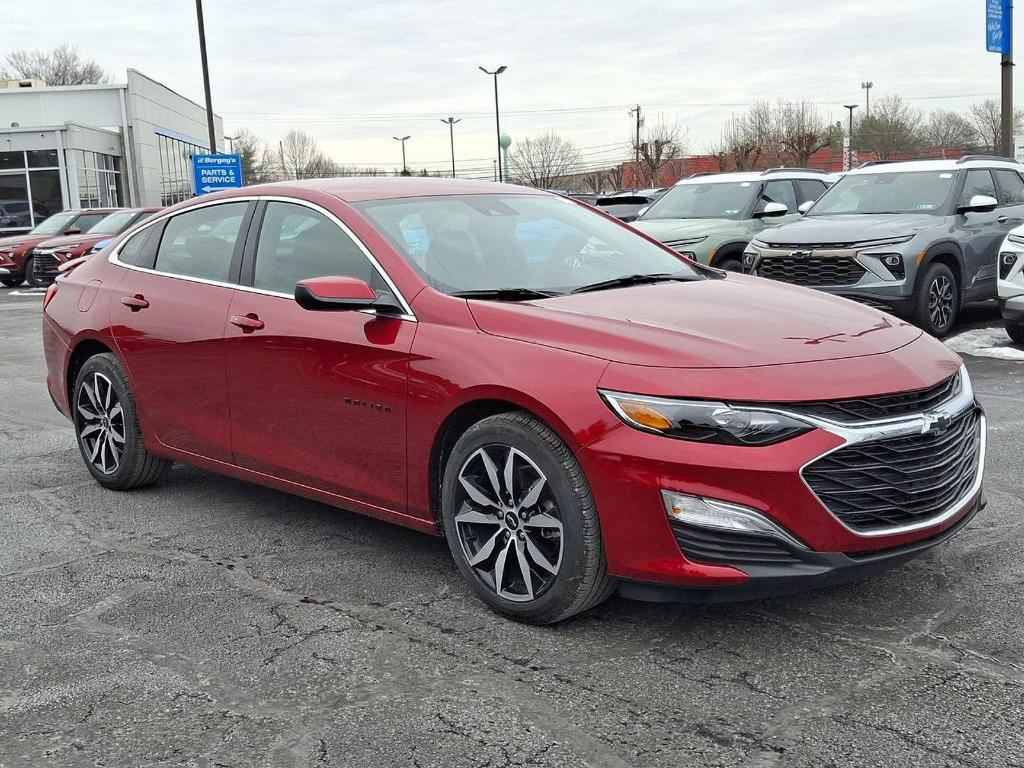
column 627, row 280
column 506, row 294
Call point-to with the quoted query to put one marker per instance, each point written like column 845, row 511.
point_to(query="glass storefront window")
column 10, row 160
column 176, row 168
column 99, row 181
column 42, row 158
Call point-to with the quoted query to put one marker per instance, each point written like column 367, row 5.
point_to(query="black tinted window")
column 297, row 243
column 136, row 250
column 978, row 182
column 808, row 191
column 778, row 192
column 201, row 242
column 1011, row 187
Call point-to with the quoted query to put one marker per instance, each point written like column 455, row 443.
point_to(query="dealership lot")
column 205, row 621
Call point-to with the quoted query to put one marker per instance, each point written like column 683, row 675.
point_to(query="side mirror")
column 979, row 204
column 334, row 294
column 73, row 231
column 642, row 211
column 772, row 209
column 805, row 207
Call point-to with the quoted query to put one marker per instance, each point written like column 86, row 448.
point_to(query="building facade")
column 95, row 145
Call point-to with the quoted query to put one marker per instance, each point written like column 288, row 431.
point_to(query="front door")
column 317, row 398
column 168, row 319
column 984, row 234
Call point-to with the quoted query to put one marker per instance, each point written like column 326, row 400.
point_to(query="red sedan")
column 576, row 408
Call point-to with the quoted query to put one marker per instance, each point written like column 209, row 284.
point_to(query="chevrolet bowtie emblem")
column 935, row 422
column 800, row 254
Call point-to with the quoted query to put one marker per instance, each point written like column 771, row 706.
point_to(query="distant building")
column 126, row 144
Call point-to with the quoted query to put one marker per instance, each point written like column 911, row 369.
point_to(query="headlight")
column 757, row 244
column 879, row 243
column 1016, row 239
column 703, row 421
column 685, row 241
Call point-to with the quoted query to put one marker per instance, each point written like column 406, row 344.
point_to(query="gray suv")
column 916, row 238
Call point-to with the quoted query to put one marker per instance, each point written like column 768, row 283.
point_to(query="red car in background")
column 15, row 251
column 575, row 412
column 49, row 255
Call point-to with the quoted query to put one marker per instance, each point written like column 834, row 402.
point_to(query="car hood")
column 849, row 229
column 63, row 241
column 733, row 322
column 678, row 229
column 18, row 241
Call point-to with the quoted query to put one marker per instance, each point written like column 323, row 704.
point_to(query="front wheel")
column 1015, row 331
column 521, row 523
column 10, row 282
column 107, row 427
column 937, row 303
column 30, row 278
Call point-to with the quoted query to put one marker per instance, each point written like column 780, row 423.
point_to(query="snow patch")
column 986, row 342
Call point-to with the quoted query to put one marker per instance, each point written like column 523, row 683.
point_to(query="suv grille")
column 44, row 266
column 899, row 481
column 881, row 406
column 811, row 270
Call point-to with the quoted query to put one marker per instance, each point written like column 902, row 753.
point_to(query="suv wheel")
column 729, row 264
column 30, row 278
column 521, row 523
column 937, row 303
column 1015, row 331
column 10, row 282
column 107, row 427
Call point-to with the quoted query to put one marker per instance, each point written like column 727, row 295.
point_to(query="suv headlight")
column 703, row 421
column 869, row 244
column 685, row 241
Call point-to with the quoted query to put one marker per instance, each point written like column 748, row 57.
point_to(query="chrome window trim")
column 407, row 314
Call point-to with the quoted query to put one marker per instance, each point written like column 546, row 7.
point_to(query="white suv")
column 1011, row 283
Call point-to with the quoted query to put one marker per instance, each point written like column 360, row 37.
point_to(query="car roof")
column 354, row 189
column 771, row 173
column 966, row 162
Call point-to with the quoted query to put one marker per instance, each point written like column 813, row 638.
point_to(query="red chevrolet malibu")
column 574, row 407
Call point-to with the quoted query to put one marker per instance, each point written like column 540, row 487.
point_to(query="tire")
column 10, row 282
column 937, row 303
column 728, row 263
column 102, row 392
column 557, row 527
column 30, row 279
column 1015, row 331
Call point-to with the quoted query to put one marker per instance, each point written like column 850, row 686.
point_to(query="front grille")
column 811, row 270
column 703, row 545
column 899, row 481
column 857, row 409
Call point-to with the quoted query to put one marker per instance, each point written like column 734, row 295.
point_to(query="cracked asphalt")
column 207, row 622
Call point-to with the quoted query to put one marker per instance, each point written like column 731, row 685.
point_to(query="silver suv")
column 917, row 238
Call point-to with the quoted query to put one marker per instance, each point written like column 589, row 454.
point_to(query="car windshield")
column 902, row 192
column 498, row 242
column 54, row 225
column 713, row 200
column 114, row 224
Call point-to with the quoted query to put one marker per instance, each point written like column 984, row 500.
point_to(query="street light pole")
column 206, row 77
column 405, row 171
column 451, row 121
column 497, row 114
column 867, row 85
column 849, row 137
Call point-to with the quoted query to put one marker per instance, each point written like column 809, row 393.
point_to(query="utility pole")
column 867, row 85
column 636, row 144
column 206, row 78
column 451, row 121
column 403, row 139
column 1006, row 121
column 849, row 138
column 497, row 115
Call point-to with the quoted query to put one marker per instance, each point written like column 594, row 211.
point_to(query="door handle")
column 1002, row 219
column 135, row 303
column 248, row 322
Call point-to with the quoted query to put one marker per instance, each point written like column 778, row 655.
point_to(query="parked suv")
column 1011, row 284
column 712, row 217
column 16, row 251
column 917, row 238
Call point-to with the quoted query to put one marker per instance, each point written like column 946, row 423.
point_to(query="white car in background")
column 1011, row 283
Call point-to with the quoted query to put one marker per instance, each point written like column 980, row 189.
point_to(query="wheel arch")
column 82, row 351
column 947, row 253
column 733, row 248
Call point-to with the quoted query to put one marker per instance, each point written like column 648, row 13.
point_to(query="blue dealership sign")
column 999, row 26
column 212, row 173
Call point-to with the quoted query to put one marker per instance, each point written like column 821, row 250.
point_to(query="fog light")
column 892, row 261
column 722, row 516
column 1009, row 259
column 748, row 259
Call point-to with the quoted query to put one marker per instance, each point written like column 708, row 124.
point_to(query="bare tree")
column 801, row 131
column 893, row 126
column 948, row 129
column 614, row 177
column 544, row 161
column 594, row 181
column 986, row 119
column 301, row 157
column 659, row 147
column 251, row 151
column 61, row 66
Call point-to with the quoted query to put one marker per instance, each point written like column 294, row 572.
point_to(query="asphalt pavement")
column 208, row 622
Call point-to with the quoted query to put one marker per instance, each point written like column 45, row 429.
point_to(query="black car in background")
column 627, row 204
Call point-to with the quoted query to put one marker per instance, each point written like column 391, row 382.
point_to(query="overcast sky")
column 356, row 74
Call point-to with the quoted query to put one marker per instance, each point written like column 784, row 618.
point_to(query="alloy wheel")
column 941, row 301
column 100, row 421
column 508, row 523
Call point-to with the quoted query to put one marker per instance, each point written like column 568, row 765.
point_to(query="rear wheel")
column 937, row 303
column 1016, row 331
column 521, row 523
column 107, row 427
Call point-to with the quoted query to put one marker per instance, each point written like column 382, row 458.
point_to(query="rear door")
column 317, row 398
column 168, row 315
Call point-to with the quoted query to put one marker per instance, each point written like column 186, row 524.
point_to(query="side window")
column 137, row 249
column 1011, row 187
column 201, row 242
column 778, row 192
column 297, row 243
column 978, row 182
column 808, row 191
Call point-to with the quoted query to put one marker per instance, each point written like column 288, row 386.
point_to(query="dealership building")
column 125, row 144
